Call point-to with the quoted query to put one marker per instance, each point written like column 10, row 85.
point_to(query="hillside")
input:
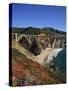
column 36, row 31
column 28, row 72
column 16, row 30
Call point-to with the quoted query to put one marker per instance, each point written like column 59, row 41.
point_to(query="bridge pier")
column 54, row 43
column 58, row 43
column 16, row 37
column 49, row 45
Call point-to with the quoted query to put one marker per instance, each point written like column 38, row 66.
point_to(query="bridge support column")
column 16, row 37
column 49, row 45
column 63, row 43
column 58, row 43
column 54, row 42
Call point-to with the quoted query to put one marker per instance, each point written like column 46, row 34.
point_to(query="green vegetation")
column 36, row 31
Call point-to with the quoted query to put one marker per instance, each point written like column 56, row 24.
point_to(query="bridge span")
column 43, row 41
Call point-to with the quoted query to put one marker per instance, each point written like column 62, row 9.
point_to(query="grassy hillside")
column 28, row 72
column 16, row 30
column 35, row 31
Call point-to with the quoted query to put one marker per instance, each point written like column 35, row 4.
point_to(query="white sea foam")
column 52, row 54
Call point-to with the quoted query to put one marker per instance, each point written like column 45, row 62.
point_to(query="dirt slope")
column 28, row 72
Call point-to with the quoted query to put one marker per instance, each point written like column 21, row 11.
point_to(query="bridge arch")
column 22, row 36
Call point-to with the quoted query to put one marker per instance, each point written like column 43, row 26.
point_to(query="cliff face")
column 28, row 72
